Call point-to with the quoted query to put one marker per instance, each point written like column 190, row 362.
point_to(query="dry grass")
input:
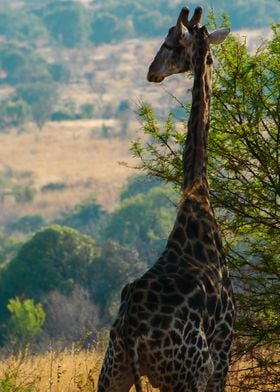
column 65, row 152
column 78, row 370
column 66, row 371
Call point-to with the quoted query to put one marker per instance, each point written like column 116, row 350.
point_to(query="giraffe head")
column 176, row 53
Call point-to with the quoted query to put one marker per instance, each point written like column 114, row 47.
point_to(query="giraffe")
column 175, row 322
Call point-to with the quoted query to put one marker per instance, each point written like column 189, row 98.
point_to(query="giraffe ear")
column 218, row 36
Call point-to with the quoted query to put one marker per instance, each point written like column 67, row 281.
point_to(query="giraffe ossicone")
column 175, row 322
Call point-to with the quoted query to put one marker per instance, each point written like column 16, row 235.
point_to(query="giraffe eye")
column 168, row 47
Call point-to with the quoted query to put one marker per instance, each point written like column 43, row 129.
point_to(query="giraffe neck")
column 195, row 232
column 195, row 152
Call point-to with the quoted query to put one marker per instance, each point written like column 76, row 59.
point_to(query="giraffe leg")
column 116, row 374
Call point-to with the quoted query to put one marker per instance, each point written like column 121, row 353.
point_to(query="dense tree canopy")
column 56, row 258
column 144, row 221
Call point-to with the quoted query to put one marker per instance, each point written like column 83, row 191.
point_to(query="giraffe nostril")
column 154, row 78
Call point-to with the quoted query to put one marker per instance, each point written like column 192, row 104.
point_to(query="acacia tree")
column 244, row 172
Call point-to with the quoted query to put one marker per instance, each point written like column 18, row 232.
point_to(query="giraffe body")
column 175, row 322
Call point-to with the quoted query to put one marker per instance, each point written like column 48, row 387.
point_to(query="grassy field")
column 68, row 153
column 66, row 371
column 77, row 371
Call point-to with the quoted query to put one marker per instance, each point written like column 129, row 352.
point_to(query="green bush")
column 67, row 22
column 25, row 321
column 56, row 258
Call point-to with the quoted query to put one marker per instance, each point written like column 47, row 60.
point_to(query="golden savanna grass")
column 71, row 153
column 78, row 370
column 64, row 371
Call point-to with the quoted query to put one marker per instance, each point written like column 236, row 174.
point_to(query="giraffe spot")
column 152, row 297
column 228, row 319
column 143, row 315
column 191, row 351
column 218, row 240
column 151, row 306
column 223, row 356
column 143, row 329
column 119, row 356
column 174, row 299
column 211, row 304
column 142, row 283
column 224, row 332
column 196, row 301
column 188, row 363
column 155, row 286
column 179, row 235
column 218, row 310
column 168, row 353
column 133, row 321
column 199, row 252
column 182, row 219
column 185, row 284
column 169, row 367
column 168, row 379
column 138, row 296
column 176, row 248
column 178, row 324
column 171, row 268
column 205, row 355
column 172, row 257
column 209, row 285
column 199, row 342
column 189, row 249
column 157, row 334
column 175, row 337
column 113, row 334
column 195, row 319
column 166, row 309
column 207, row 237
column 212, row 255
column 168, row 286
column 192, row 229
column 161, row 321
column 182, row 313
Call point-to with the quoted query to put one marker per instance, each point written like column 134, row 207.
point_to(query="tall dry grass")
column 62, row 371
column 77, row 371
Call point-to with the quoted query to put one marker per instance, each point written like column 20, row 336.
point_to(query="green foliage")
column 18, row 185
column 8, row 248
column 113, row 268
column 41, row 98
column 244, row 167
column 67, row 22
column 138, row 184
column 86, row 110
column 11, row 381
column 14, row 113
column 25, row 321
column 104, row 27
column 88, row 217
column 59, row 72
column 22, row 64
column 55, row 258
column 26, row 224
column 20, row 25
column 143, row 221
